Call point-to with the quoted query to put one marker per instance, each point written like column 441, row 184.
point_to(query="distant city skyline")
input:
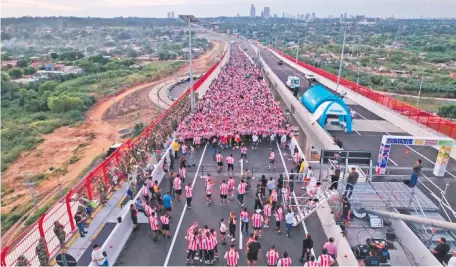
column 215, row 8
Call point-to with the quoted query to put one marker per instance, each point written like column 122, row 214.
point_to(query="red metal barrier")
column 439, row 124
column 105, row 176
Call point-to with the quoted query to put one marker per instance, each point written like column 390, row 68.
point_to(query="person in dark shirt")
column 441, row 250
column 335, row 175
column 252, row 251
column 134, row 216
column 264, row 182
column 80, row 223
column 291, row 181
column 280, row 185
column 307, row 245
column 372, row 260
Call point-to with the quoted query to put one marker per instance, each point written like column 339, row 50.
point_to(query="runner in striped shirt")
column 188, row 194
column 324, row 260
column 223, row 192
column 244, row 153
column 197, row 141
column 285, row 260
column 244, row 217
column 278, row 217
column 191, row 229
column 201, row 245
column 267, row 209
column 209, row 186
column 177, row 187
column 272, row 256
column 311, row 262
column 148, row 210
column 165, row 225
column 219, row 160
column 271, row 159
column 257, row 223
column 231, row 256
column 206, row 179
column 192, row 246
column 145, row 192
column 211, row 242
column 153, row 221
column 229, row 162
column 241, row 192
column 273, row 199
column 214, row 239
column 231, row 185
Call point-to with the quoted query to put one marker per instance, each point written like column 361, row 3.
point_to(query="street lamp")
column 419, row 92
column 341, row 61
column 190, row 19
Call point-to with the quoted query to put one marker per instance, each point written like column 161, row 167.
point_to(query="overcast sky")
column 213, row 8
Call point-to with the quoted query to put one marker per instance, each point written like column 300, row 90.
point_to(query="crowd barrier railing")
column 437, row 123
column 95, row 187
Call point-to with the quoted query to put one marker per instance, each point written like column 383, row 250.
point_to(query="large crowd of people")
column 237, row 102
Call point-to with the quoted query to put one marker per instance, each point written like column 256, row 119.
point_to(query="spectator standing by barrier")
column 80, row 223
column 40, row 251
column 134, row 216
column 351, row 181
column 416, row 170
column 59, row 232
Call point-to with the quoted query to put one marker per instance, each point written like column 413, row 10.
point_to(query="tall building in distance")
column 267, row 12
column 252, row 11
column 169, row 15
column 172, row 15
column 262, row 15
column 313, row 16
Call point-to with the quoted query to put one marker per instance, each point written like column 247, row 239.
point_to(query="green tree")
column 64, row 103
column 6, row 57
column 47, row 86
column 23, row 63
column 15, row 73
column 54, row 55
column 448, row 111
column 32, row 100
column 132, row 53
column 29, row 71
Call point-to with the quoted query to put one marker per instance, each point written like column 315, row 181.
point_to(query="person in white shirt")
column 310, row 179
column 289, row 220
column 98, row 257
column 255, row 141
column 452, row 261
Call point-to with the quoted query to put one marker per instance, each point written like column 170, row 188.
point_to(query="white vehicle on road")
column 310, row 77
column 292, row 82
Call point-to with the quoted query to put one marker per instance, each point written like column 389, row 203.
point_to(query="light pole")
column 357, row 79
column 419, row 92
column 190, row 19
column 341, row 60
column 297, row 53
column 283, row 39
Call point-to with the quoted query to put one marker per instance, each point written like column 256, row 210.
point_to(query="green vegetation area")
column 39, row 108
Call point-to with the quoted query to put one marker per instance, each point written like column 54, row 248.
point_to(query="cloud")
column 31, row 4
column 151, row 3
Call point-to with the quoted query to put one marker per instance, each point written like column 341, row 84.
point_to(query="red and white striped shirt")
column 324, row 260
column 278, row 214
column 231, row 257
column 203, row 243
column 197, row 140
column 164, row 219
column 209, row 188
column 250, row 240
column 311, row 264
column 149, row 183
column 284, row 262
column 192, row 243
column 241, row 188
column 231, row 183
column 243, row 150
column 148, row 210
column 229, row 160
column 211, row 241
column 274, row 196
column 267, row 210
column 182, row 172
column 257, row 220
column 184, row 148
column 244, row 216
column 145, row 191
column 218, row 158
column 272, row 257
column 153, row 223
column 177, row 183
column 188, row 191
column 271, row 155
column 207, row 178
column 190, row 231
column 224, row 189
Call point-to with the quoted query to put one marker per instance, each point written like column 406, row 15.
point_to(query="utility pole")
column 419, row 92
column 283, row 40
column 357, row 79
column 31, row 189
column 297, row 52
column 341, row 60
column 192, row 100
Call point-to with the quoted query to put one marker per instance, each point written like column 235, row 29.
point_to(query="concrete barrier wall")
column 115, row 242
column 395, row 118
column 320, row 140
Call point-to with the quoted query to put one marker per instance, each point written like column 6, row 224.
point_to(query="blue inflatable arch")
column 321, row 103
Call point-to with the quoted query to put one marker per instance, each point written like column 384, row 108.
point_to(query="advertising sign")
column 382, row 159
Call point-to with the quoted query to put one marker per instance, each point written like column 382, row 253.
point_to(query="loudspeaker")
column 361, row 251
column 390, row 237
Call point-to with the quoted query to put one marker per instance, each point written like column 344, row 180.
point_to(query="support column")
column 88, row 186
column 41, row 230
column 68, row 206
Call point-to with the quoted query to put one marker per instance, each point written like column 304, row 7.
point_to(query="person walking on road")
column 192, row 246
column 177, row 186
column 271, row 185
column 289, row 220
column 272, row 256
column 222, row 231
column 230, row 163
column 134, row 216
column 231, row 256
column 232, row 226
column 271, row 159
column 223, row 192
column 264, row 183
column 324, row 260
column 219, row 160
column 244, row 217
column 352, row 178
column 253, row 249
column 267, row 209
column 188, row 195
column 191, row 156
column 278, row 217
column 257, row 223
column 307, row 245
column 258, row 198
column 285, row 260
column 241, row 191
column 244, row 153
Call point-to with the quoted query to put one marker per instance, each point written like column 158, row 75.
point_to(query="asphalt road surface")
column 141, row 250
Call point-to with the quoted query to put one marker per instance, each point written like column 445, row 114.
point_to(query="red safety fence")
column 439, row 124
column 94, row 187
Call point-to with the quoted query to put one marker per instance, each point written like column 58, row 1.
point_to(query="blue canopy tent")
column 321, row 103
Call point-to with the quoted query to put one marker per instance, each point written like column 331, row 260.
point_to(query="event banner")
column 382, row 159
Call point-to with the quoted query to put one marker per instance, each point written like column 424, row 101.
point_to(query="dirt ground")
column 84, row 141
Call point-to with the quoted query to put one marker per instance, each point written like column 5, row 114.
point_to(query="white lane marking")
column 294, row 195
column 183, row 212
column 240, row 222
column 418, row 153
column 393, row 162
column 356, row 132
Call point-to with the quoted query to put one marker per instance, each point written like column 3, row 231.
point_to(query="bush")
column 63, row 103
column 9, row 219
